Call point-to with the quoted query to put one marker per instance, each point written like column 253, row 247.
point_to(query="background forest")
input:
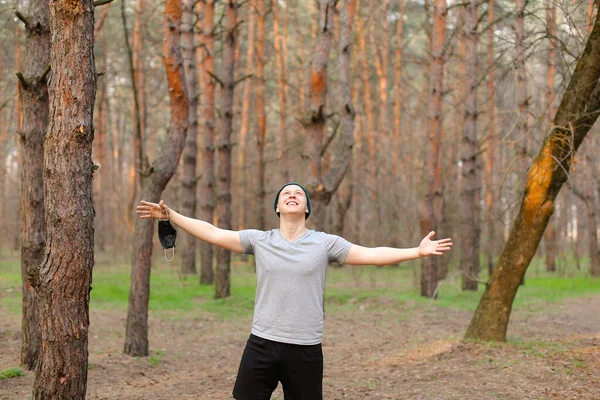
column 378, row 200
column 399, row 116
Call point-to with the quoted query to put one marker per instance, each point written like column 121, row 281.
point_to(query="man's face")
column 292, row 200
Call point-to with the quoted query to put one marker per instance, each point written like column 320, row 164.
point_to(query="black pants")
column 265, row 362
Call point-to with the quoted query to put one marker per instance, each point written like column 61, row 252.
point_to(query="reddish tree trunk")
column 222, row 281
column 207, row 203
column 491, row 151
column 64, row 281
column 188, row 192
column 155, row 180
column 246, row 117
column 261, row 115
column 34, row 104
column 324, row 185
column 430, row 210
column 280, row 45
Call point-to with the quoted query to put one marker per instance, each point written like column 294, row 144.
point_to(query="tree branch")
column 101, row 2
column 486, row 283
column 22, row 79
column 43, row 76
column 242, row 79
column 216, row 78
column 22, row 18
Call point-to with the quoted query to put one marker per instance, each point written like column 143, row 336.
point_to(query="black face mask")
column 167, row 235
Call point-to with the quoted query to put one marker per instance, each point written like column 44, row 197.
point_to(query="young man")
column 291, row 262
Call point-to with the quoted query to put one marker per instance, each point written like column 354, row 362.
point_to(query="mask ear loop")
column 173, row 256
column 170, row 259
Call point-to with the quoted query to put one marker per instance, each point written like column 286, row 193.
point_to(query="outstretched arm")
column 227, row 239
column 359, row 255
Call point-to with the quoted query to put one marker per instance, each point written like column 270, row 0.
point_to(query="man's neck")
column 292, row 229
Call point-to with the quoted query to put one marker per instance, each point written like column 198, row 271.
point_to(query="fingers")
column 430, row 235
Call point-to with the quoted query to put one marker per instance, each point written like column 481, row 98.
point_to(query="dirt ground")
column 372, row 351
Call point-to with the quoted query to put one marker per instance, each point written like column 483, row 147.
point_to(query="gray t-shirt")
column 291, row 282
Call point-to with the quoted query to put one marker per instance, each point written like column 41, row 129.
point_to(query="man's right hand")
column 147, row 209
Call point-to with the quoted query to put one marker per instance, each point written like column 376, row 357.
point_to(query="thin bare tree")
column 155, row 179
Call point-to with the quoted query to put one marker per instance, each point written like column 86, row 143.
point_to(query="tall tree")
column 324, row 183
column 471, row 165
column 246, row 115
column 34, row 102
column 136, row 74
column 522, row 96
column 549, row 235
column 431, row 208
column 155, row 179
column 491, row 147
column 261, row 115
column 280, row 42
column 208, row 82
column 398, row 86
column 188, row 194
column 63, row 281
column 578, row 111
column 222, row 281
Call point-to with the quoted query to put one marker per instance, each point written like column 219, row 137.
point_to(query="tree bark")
column 222, row 281
column 279, row 40
column 207, row 204
column 34, row 104
column 430, row 210
column 471, row 164
column 491, row 150
column 549, row 235
column 63, row 281
column 373, row 165
column 398, row 93
column 188, row 192
column 155, row 180
column 136, row 72
column 323, row 185
column 246, row 117
column 576, row 114
column 260, row 111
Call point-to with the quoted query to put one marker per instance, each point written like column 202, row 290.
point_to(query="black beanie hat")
column 305, row 192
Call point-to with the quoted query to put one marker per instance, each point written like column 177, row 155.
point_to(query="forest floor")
column 374, row 349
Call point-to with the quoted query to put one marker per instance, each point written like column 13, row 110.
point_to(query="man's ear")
column 277, row 209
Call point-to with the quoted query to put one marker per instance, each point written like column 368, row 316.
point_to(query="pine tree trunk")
column 188, row 193
column 101, row 152
column 155, row 180
column 491, row 151
column 34, row 102
column 207, row 203
column 246, row 117
column 471, row 168
column 324, row 185
column 279, row 41
column 578, row 111
column 222, row 281
column 260, row 111
column 430, row 209
column 63, row 282
column 398, row 93
column 373, row 164
column 551, row 109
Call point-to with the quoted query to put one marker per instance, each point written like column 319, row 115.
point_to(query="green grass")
column 368, row 288
column 11, row 372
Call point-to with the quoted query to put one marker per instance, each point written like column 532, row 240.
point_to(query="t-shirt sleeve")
column 337, row 248
column 248, row 238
